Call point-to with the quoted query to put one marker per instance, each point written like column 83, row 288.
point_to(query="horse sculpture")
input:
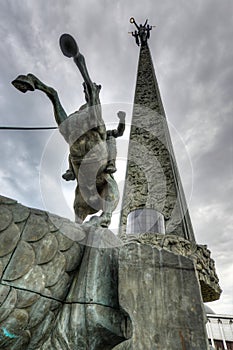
column 85, row 132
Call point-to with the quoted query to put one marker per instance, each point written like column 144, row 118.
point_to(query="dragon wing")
column 37, row 265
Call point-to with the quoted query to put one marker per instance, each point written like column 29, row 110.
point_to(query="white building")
column 219, row 330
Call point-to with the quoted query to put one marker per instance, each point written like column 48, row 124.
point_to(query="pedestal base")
column 161, row 293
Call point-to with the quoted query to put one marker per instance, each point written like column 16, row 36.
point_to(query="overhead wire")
column 28, row 128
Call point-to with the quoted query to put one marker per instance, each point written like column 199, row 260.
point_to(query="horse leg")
column 110, row 196
column 30, row 82
column 81, row 208
column 91, row 89
column 108, row 199
column 80, row 62
column 59, row 112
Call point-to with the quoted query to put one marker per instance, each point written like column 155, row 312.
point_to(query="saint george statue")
column 92, row 148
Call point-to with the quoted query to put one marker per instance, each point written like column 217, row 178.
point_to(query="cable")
column 28, row 128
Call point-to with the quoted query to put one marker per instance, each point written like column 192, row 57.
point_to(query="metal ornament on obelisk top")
column 67, row 285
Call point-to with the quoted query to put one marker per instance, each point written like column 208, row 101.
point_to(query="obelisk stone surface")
column 152, row 178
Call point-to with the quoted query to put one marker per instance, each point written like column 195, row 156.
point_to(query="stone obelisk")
column 153, row 192
column 164, row 276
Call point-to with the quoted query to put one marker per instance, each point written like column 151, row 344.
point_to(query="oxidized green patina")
column 92, row 148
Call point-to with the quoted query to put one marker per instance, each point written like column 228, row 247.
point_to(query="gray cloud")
column 193, row 54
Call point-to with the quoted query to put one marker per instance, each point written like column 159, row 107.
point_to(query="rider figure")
column 69, row 175
column 111, row 143
column 142, row 32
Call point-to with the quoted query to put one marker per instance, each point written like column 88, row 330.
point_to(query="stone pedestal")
column 161, row 293
column 91, row 318
column 65, row 286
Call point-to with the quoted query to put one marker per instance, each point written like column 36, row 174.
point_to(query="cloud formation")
column 193, row 54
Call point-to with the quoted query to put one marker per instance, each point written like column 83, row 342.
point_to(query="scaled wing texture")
column 37, row 266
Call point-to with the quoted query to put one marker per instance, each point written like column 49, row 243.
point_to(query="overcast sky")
column 193, row 58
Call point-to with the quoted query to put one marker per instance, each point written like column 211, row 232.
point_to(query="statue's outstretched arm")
column 121, row 126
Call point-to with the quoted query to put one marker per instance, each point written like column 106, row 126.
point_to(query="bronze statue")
column 142, row 32
column 92, row 148
column 69, row 175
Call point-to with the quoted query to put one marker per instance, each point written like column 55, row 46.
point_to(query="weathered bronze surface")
column 92, row 149
column 57, row 292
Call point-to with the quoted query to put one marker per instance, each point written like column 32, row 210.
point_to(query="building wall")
column 220, row 331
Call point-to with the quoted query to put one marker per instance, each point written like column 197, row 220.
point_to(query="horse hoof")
column 68, row 176
column 23, row 83
column 68, row 45
column 99, row 221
